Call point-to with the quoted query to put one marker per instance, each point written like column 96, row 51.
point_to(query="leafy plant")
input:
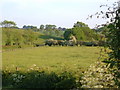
column 99, row 75
column 38, row 79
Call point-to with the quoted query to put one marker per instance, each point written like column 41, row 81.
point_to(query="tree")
column 113, row 41
column 7, row 36
column 41, row 27
column 68, row 33
column 24, row 27
column 78, row 32
column 112, row 33
column 80, row 24
column 49, row 27
column 33, row 28
column 8, row 24
column 81, row 31
column 62, row 29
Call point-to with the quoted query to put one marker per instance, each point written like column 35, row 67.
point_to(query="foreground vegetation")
column 56, row 67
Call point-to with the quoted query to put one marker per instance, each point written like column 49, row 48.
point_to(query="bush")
column 18, row 37
column 61, row 42
column 117, row 79
column 88, row 43
column 79, row 43
column 98, row 75
column 36, row 78
column 101, row 43
column 51, row 42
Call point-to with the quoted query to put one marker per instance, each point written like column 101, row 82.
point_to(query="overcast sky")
column 62, row 13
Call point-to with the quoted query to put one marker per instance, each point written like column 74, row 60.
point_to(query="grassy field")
column 51, row 58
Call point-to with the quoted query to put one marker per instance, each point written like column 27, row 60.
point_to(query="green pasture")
column 58, row 59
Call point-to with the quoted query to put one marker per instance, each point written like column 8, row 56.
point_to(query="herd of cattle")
column 52, row 42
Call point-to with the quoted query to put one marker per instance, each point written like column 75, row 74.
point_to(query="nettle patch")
column 99, row 75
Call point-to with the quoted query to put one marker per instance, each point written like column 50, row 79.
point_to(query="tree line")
column 17, row 37
column 81, row 31
column 12, row 35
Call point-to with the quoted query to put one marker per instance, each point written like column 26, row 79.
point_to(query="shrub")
column 79, row 43
column 61, row 42
column 98, row 75
column 36, row 78
column 51, row 42
column 18, row 37
column 117, row 79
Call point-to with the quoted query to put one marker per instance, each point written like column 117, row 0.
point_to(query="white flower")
column 98, row 76
column 85, row 86
column 34, row 65
column 14, row 75
column 96, row 86
column 31, row 68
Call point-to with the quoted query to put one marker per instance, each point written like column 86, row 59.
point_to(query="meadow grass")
column 57, row 59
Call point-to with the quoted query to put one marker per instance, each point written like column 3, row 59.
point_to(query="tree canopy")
column 7, row 24
column 82, row 32
column 80, row 24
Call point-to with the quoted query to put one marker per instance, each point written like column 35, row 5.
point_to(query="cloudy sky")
column 63, row 13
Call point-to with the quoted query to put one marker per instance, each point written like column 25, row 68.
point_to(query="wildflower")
column 85, row 86
column 34, row 65
column 14, row 75
column 31, row 68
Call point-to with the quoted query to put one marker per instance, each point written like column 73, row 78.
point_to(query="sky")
column 62, row 13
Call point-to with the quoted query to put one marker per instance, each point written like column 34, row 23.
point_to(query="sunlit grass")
column 51, row 58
